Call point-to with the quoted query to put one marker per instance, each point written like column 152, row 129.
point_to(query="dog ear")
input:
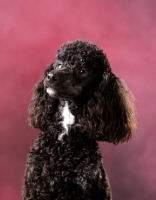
column 110, row 112
column 42, row 107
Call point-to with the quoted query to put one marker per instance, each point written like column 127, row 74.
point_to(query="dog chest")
column 68, row 120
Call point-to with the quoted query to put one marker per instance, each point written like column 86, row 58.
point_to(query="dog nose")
column 51, row 76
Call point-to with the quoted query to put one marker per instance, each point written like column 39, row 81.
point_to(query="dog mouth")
column 50, row 91
column 66, row 91
column 49, row 88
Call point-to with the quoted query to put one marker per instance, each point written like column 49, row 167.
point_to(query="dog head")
column 76, row 70
column 82, row 74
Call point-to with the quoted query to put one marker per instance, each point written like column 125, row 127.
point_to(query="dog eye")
column 82, row 72
column 59, row 66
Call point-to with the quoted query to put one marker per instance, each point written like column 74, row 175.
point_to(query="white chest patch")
column 68, row 120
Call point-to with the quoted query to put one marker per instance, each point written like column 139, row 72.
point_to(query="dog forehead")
column 73, row 60
column 70, row 61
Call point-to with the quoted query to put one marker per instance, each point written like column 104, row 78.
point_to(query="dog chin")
column 50, row 91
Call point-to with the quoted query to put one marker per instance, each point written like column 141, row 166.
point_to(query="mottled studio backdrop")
column 30, row 33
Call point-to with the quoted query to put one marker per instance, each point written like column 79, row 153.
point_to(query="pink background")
column 30, row 33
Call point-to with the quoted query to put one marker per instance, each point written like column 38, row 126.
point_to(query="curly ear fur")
column 42, row 107
column 109, row 114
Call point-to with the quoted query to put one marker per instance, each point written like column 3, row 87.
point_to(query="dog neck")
column 68, row 118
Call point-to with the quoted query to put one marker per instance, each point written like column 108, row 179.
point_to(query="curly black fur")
column 65, row 161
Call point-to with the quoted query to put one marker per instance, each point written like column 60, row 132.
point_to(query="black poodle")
column 77, row 102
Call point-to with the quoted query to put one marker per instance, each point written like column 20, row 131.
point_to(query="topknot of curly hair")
column 85, row 51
